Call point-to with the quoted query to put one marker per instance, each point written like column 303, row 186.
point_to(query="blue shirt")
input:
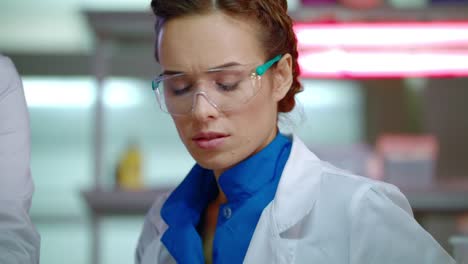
column 249, row 187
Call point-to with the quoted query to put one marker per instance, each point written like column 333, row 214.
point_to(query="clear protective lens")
column 227, row 89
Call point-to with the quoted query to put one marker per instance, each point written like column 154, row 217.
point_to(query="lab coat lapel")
column 294, row 200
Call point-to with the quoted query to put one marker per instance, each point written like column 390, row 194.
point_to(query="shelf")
column 118, row 202
column 448, row 196
column 122, row 26
column 443, row 197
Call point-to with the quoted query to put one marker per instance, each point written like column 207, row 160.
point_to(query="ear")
column 283, row 77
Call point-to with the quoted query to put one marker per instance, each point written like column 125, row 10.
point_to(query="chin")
column 214, row 161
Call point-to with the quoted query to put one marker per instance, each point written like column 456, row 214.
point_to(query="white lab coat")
column 19, row 240
column 321, row 214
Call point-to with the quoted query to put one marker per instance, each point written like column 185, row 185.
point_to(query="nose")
column 203, row 108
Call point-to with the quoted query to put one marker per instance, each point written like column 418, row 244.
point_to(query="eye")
column 227, row 87
column 177, row 87
column 178, row 91
column 228, row 80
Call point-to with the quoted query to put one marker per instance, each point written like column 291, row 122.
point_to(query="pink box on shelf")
column 408, row 161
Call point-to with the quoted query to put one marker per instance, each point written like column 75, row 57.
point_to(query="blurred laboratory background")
column 385, row 91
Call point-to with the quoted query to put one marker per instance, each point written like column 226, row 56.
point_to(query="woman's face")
column 218, row 140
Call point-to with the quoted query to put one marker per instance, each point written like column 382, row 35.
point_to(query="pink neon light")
column 340, row 64
column 360, row 50
column 382, row 34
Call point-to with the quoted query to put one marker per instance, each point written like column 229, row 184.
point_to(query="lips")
column 209, row 140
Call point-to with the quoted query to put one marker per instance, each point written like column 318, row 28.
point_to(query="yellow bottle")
column 129, row 169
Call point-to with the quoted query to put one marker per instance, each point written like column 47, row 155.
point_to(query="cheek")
column 263, row 109
column 258, row 118
column 181, row 126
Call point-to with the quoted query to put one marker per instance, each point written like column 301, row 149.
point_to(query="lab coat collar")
column 299, row 187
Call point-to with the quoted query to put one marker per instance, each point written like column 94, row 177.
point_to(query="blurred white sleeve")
column 384, row 231
column 19, row 240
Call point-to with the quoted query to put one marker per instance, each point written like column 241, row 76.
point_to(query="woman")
column 229, row 68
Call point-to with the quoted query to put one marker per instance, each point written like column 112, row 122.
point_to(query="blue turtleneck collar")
column 249, row 187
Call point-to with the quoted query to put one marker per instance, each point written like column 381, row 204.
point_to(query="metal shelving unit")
column 128, row 36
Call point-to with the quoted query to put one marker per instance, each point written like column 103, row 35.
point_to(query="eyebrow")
column 225, row 65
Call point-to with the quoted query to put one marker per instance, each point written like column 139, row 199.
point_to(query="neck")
column 221, row 199
column 217, row 173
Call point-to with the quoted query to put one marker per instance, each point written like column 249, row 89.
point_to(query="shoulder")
column 332, row 183
column 355, row 213
column 309, row 184
column 355, row 190
column 6, row 66
column 5, row 61
column 366, row 211
column 8, row 74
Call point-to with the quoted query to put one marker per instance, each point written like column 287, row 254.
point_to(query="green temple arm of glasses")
column 263, row 68
column 259, row 71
